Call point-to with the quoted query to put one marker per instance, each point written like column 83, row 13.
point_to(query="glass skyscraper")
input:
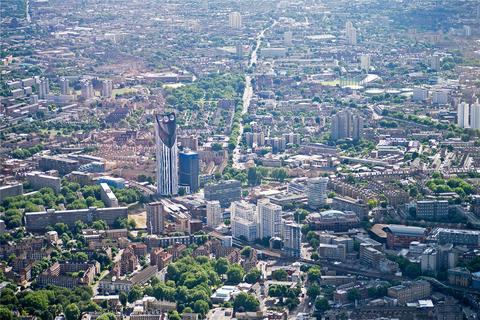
column 167, row 154
column 189, row 170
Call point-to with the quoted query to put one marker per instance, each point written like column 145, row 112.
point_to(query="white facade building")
column 269, row 219
column 214, row 214
column 317, row 192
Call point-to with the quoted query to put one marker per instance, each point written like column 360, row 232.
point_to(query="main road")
column 247, row 94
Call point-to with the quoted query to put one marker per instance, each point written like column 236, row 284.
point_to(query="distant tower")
column 235, row 20
column 214, row 214
column 43, row 88
column 435, row 62
column 350, row 33
column 475, row 115
column 239, row 50
column 288, row 38
column 87, row 90
column 107, row 88
column 357, row 127
column 155, row 218
column 167, row 154
column 64, row 86
column 292, row 238
column 269, row 219
column 317, row 192
column 189, row 170
column 365, row 62
column 341, row 125
column 463, row 115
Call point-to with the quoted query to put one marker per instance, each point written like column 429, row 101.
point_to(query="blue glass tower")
column 189, row 170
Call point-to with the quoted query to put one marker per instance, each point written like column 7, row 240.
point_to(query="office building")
column 224, row 191
column 214, row 213
column 38, row 180
column 317, row 192
column 419, row 94
column 463, row 115
column 269, row 219
column 292, row 238
column 107, row 88
column 460, row 277
column 64, row 86
column 235, row 20
column 189, row 170
column 410, row 291
column 348, row 204
column 400, row 236
column 333, row 220
column 166, row 152
column 432, row 209
column 10, row 191
column 332, row 251
column 458, row 237
column 107, row 196
column 365, row 62
column 87, row 89
column 155, row 218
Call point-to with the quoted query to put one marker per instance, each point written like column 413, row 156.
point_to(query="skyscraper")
column 350, row 33
column 235, row 20
column 214, row 214
column 475, row 115
column 43, row 88
column 64, row 87
column 167, row 157
column 463, row 115
column 292, row 238
column 155, row 218
column 435, row 62
column 341, row 125
column 269, row 219
column 189, row 170
column 365, row 62
column 107, row 88
column 317, row 192
column 357, row 127
column 87, row 89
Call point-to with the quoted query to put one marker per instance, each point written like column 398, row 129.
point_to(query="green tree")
column 353, row 295
column 253, row 276
column 313, row 291
column 221, row 266
column 314, row 274
column 123, row 298
column 321, row 305
column 134, row 294
column 235, row 274
column 245, row 301
column 279, row 275
column 72, row 312
column 5, row 313
column 201, row 306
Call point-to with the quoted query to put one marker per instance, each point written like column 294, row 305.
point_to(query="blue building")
column 189, row 170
